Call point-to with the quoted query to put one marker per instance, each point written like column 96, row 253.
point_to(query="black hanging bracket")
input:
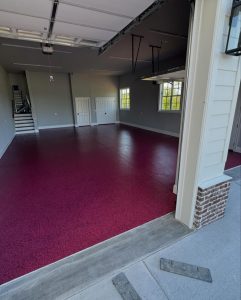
column 158, row 51
column 135, row 57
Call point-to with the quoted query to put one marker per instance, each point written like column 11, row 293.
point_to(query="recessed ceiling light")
column 5, row 30
column 31, row 39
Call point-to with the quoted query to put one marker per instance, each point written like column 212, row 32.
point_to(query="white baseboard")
column 151, row 129
column 237, row 149
column 174, row 190
column 93, row 124
column 6, row 147
column 55, row 126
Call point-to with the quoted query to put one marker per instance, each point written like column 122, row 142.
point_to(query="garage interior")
column 96, row 146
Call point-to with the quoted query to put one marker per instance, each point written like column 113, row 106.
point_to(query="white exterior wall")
column 225, row 79
column 212, row 89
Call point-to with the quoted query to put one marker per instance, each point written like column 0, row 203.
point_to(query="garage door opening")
column 66, row 189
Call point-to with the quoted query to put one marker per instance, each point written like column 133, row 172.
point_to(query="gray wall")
column 51, row 101
column 7, row 130
column 144, row 107
column 94, row 86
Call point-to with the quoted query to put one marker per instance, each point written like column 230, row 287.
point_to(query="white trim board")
column 6, row 147
column 55, row 126
column 151, row 129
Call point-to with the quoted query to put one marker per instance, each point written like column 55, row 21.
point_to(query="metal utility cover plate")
column 125, row 288
column 184, row 269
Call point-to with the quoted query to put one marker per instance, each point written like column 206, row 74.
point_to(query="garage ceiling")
column 76, row 20
column 87, row 25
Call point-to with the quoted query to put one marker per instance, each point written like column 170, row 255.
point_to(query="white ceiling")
column 96, row 20
column 19, row 55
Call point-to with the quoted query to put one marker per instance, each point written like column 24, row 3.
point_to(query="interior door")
column 106, row 110
column 83, row 111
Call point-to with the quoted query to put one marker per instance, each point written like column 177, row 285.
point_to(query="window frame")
column 171, row 96
column 120, row 95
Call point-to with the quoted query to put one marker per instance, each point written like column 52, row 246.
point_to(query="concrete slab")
column 235, row 173
column 72, row 274
column 100, row 291
column 124, row 287
column 144, row 283
column 217, row 247
column 139, row 277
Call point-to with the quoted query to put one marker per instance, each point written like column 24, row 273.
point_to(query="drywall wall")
column 7, row 130
column 94, row 86
column 51, row 101
column 144, row 107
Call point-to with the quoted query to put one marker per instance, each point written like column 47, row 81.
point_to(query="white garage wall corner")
column 224, row 87
column 7, row 129
column 93, row 86
column 51, row 101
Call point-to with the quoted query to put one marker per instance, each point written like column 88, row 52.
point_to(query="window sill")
column 170, row 111
column 124, row 109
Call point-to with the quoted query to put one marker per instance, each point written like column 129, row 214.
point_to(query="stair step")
column 23, row 121
column 26, row 131
column 21, row 115
column 23, row 118
column 24, row 125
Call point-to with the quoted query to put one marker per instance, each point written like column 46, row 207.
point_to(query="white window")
column 170, row 96
column 125, row 101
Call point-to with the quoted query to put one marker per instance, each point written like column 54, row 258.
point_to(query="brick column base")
column 211, row 203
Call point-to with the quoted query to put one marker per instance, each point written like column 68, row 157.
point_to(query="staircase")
column 18, row 99
column 23, row 118
column 24, row 123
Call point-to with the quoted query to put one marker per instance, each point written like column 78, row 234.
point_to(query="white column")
column 213, row 83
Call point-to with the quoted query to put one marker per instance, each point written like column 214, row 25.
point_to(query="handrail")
column 26, row 104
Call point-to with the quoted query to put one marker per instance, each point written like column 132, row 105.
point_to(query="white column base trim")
column 213, row 181
column 174, row 190
column 151, row 129
column 55, row 126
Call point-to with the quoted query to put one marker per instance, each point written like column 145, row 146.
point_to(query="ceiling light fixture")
column 5, row 30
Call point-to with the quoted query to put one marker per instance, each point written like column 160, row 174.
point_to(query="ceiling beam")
column 53, row 17
column 146, row 13
column 169, row 34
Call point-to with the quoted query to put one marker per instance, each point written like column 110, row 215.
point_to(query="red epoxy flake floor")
column 233, row 160
column 68, row 189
